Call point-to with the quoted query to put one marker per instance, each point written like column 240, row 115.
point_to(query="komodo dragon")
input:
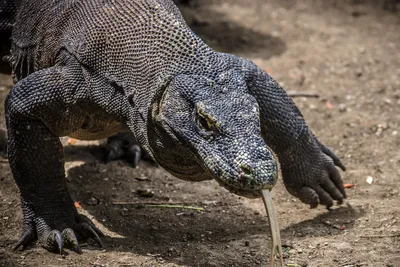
column 92, row 68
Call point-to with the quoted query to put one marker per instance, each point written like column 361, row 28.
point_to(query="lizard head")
column 203, row 129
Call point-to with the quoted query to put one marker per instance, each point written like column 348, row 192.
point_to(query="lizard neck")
column 173, row 155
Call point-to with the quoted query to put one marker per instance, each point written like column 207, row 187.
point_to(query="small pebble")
column 142, row 178
column 145, row 192
column 342, row 107
column 93, row 201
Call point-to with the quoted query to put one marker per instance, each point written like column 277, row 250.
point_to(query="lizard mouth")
column 245, row 182
column 245, row 192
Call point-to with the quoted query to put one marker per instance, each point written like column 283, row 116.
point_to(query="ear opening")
column 159, row 98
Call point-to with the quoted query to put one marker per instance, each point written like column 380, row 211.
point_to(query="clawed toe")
column 87, row 229
column 56, row 241
column 27, row 237
column 82, row 219
column 133, row 154
column 88, row 232
column 70, row 240
column 53, row 241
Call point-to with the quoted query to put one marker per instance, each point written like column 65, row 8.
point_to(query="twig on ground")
column 354, row 264
column 380, row 236
column 302, row 94
column 160, row 205
column 147, row 203
column 175, row 207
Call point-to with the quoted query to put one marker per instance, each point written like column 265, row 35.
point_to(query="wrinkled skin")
column 208, row 139
column 212, row 140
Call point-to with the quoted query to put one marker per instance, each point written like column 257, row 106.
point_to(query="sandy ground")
column 345, row 51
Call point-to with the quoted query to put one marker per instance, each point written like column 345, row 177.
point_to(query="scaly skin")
column 90, row 69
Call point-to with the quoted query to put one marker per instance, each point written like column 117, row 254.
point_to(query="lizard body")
column 90, row 69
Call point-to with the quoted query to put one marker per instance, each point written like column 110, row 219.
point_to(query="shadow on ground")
column 225, row 35
column 174, row 234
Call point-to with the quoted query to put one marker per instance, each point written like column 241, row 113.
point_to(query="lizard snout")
column 252, row 170
column 258, row 175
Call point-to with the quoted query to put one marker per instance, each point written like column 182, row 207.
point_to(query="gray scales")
column 92, row 68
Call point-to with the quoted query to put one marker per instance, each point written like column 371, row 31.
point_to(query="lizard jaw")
column 248, row 193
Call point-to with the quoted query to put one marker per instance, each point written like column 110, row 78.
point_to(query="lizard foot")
column 55, row 240
column 124, row 146
column 316, row 180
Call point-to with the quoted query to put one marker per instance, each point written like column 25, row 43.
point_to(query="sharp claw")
column 136, row 159
column 95, row 229
column 53, row 241
column 70, row 240
column 133, row 155
column 98, row 231
column 98, row 241
column 83, row 219
column 59, row 242
column 340, row 165
column 52, row 238
column 78, row 249
column 90, row 232
column 19, row 243
column 95, row 236
column 26, row 238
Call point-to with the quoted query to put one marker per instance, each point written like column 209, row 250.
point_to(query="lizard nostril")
column 246, row 170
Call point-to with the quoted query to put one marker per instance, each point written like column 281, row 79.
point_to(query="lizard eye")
column 207, row 123
column 202, row 122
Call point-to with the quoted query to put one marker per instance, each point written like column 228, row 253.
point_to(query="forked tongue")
column 274, row 227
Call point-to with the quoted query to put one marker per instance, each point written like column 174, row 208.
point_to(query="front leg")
column 308, row 166
column 39, row 109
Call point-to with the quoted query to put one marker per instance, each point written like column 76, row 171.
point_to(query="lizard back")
column 131, row 42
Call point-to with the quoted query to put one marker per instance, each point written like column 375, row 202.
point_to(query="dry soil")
column 347, row 52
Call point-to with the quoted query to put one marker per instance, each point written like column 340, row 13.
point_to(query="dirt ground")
column 345, row 51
